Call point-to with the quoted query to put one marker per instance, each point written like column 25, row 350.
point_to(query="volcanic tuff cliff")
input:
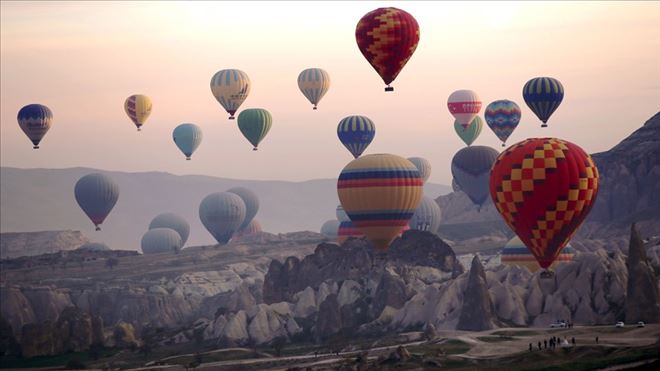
column 643, row 298
column 13, row 245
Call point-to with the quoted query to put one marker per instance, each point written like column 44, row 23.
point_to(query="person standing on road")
column 545, row 344
column 596, row 339
column 539, row 345
column 573, row 340
column 530, row 347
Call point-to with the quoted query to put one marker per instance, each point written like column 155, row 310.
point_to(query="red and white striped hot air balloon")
column 464, row 105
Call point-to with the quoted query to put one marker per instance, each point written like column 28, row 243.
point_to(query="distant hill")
column 629, row 191
column 13, row 245
column 42, row 199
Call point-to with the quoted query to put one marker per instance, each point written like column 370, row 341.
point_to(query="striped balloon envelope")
column 380, row 194
column 356, row 133
column 347, row 230
column 314, row 83
column 516, row 253
column 423, row 165
column 138, row 109
column 464, row 105
column 230, row 88
column 543, row 96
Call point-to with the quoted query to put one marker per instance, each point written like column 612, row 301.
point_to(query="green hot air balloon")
column 255, row 123
column 251, row 204
column 96, row 194
column 161, row 240
column 222, row 213
column 471, row 132
column 172, row 221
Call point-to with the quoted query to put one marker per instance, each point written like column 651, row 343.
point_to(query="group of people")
column 552, row 343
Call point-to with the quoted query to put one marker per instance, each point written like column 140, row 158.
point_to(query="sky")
column 83, row 59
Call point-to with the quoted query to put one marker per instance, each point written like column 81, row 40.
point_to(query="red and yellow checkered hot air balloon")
column 387, row 37
column 544, row 189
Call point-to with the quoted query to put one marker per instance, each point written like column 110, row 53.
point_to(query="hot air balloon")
column 543, row 95
column 252, row 229
column 380, row 193
column 387, row 37
column 161, row 240
column 230, row 88
column 187, row 137
column 355, row 133
column 251, row 201
column 255, row 123
column 314, row 83
column 454, row 186
column 427, row 216
column 471, row 133
column 502, row 117
column 471, row 170
column 516, row 253
column 544, row 188
column 423, row 165
column 172, row 221
column 35, row 120
column 341, row 214
column 222, row 213
column 347, row 230
column 96, row 194
column 330, row 228
column 464, row 105
column 138, row 109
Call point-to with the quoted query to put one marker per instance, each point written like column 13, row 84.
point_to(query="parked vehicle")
column 641, row 324
column 619, row 325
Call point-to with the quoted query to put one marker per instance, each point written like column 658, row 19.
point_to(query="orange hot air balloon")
column 380, row 194
column 387, row 37
column 544, row 188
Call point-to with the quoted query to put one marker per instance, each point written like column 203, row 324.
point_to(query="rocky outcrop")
column 123, row 336
column 642, row 299
column 13, row 245
column 477, row 313
column 74, row 331
column 328, row 321
column 354, row 260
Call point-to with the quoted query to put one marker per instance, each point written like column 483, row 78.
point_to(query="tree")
column 277, row 344
column 75, row 364
column 111, row 262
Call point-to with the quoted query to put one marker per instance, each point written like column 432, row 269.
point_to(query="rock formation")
column 13, row 245
column 477, row 311
column 642, row 299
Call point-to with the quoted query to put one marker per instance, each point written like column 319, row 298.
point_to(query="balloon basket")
column 187, row 158
column 35, row 147
column 139, row 129
column 544, row 125
column 232, row 117
column 503, row 145
column 98, row 228
column 546, row 274
column 314, row 108
column 254, row 149
column 389, row 88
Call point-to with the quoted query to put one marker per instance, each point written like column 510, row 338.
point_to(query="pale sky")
column 83, row 59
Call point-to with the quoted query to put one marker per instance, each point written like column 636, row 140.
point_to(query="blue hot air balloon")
column 355, row 133
column 471, row 170
column 543, row 95
column 187, row 137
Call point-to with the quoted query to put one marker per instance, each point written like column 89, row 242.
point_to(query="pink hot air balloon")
column 464, row 105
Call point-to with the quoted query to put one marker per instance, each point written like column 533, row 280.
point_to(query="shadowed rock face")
column 642, row 299
column 355, row 260
column 477, row 313
column 328, row 321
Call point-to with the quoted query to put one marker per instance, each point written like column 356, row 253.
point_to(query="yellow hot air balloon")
column 138, row 108
column 230, row 88
column 380, row 194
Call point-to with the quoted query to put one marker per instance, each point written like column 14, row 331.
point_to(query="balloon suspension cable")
column 98, row 228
